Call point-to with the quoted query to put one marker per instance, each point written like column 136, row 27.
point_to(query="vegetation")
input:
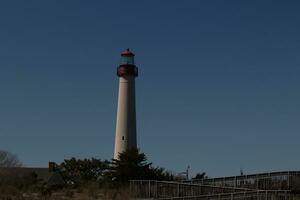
column 131, row 165
column 200, row 176
column 89, row 177
column 8, row 159
column 82, row 171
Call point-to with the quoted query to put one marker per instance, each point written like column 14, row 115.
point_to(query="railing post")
column 156, row 190
column 288, row 181
column 141, row 186
column 285, row 195
column 149, row 188
column 266, row 195
column 130, row 190
column 235, row 182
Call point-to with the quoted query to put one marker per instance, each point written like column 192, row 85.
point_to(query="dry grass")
column 18, row 188
column 90, row 192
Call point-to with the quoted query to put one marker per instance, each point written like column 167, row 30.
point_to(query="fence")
column 259, row 195
column 267, row 186
column 287, row 180
column 166, row 189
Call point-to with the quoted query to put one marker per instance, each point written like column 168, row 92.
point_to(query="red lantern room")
column 127, row 66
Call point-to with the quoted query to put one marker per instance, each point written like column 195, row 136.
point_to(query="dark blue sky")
column 218, row 88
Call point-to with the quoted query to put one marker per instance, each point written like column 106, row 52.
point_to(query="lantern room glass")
column 127, row 60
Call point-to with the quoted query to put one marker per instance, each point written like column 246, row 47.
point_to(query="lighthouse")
column 125, row 137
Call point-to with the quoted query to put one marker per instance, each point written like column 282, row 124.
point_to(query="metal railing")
column 286, row 180
column 166, row 189
column 267, row 186
column 258, row 195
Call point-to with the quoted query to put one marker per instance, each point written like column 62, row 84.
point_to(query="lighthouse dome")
column 127, row 57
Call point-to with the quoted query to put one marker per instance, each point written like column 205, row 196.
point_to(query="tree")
column 82, row 171
column 133, row 165
column 8, row 159
column 159, row 173
column 200, row 176
column 130, row 165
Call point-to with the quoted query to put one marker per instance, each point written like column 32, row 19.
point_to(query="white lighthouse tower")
column 126, row 116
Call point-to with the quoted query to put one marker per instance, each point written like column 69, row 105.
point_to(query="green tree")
column 130, row 165
column 200, row 176
column 159, row 173
column 133, row 165
column 82, row 171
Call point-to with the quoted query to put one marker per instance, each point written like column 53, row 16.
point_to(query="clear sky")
column 218, row 87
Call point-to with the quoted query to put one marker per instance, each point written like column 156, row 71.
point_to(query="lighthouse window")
column 123, row 138
column 125, row 60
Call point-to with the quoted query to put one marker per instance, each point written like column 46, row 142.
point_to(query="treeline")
column 89, row 177
column 79, row 177
column 131, row 165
